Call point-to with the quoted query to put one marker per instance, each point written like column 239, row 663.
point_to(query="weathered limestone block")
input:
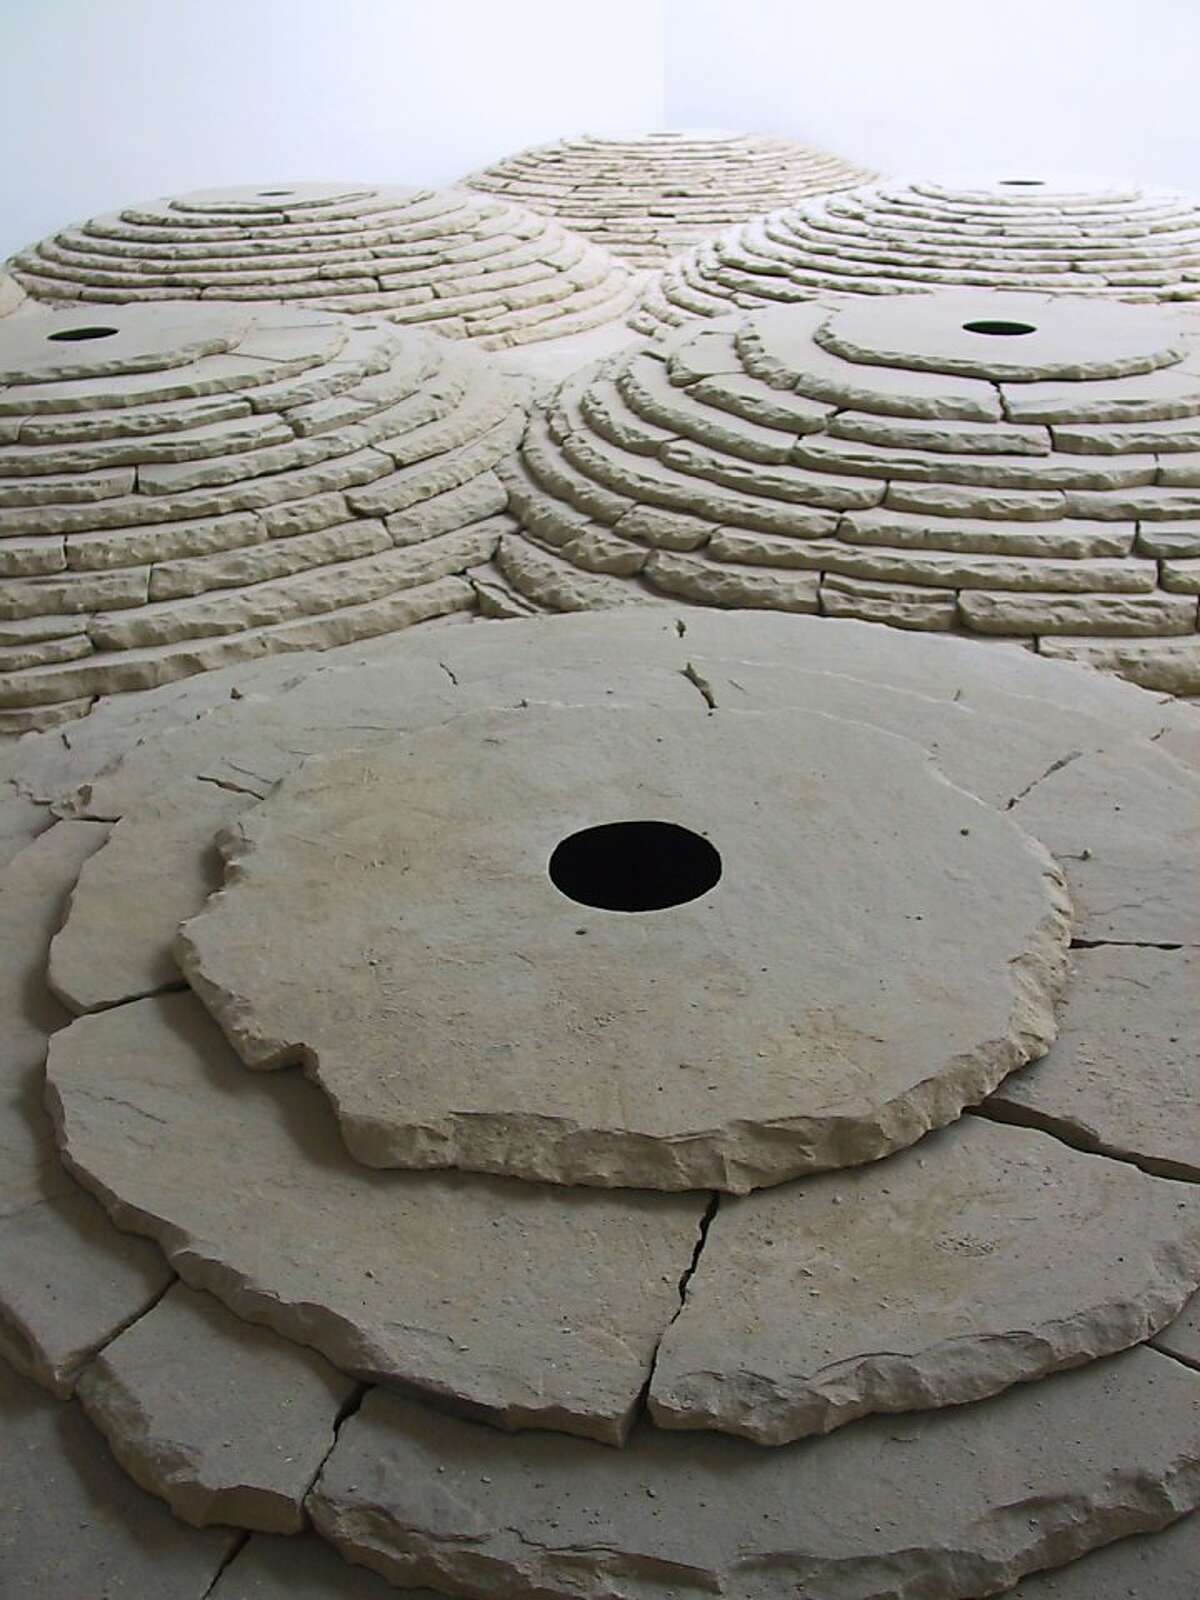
column 225, row 1421
column 1121, row 1078
column 538, row 1074
column 434, row 1281
column 962, row 1502
column 932, row 1278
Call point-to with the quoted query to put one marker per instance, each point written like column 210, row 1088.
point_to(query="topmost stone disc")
column 1064, row 236
column 647, row 196
column 466, row 267
column 602, row 947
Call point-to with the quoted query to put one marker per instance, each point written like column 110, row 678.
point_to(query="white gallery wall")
column 104, row 102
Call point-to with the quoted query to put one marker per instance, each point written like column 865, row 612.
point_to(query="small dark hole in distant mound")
column 634, row 866
column 269, row 194
column 1023, row 183
column 72, row 334
column 1005, row 329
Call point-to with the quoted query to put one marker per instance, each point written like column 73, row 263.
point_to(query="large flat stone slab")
column 960, row 1503
column 1122, row 1077
column 71, row 1522
column 982, row 1257
column 301, row 1568
column 532, row 1306
column 225, row 1421
column 1162, row 1567
column 461, row 1007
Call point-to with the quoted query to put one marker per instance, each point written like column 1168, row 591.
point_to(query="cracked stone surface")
column 463, row 266
column 68, row 1280
column 1063, row 236
column 194, row 485
column 1007, row 465
column 932, row 1278
column 647, row 197
column 460, row 1010
column 428, row 1280
column 233, row 1434
column 1076, row 1460
column 962, row 1502
column 1124, row 1005
column 73, row 1524
column 1182, row 1337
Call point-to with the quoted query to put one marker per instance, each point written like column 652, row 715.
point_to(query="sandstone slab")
column 301, row 1568
column 434, row 1281
column 982, row 1257
column 962, row 1502
column 1122, row 1077
column 1163, row 1567
column 462, row 1008
column 224, row 1420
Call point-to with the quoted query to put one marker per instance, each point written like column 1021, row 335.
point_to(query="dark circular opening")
column 1005, row 329
column 268, row 194
column 634, row 866
column 82, row 333
column 1023, row 183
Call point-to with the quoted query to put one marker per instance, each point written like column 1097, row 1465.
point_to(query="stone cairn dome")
column 1069, row 237
column 186, row 485
column 647, row 197
column 1016, row 466
column 460, row 265
column 493, row 1111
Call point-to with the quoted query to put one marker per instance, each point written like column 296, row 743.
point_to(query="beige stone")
column 433, row 1281
column 493, row 1042
column 962, row 1502
column 225, row 1421
column 936, row 1277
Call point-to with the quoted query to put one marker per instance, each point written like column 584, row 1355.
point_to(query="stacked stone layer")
column 11, row 294
column 1012, row 466
column 184, row 486
column 883, row 239
column 647, row 198
column 953, row 1282
column 463, row 266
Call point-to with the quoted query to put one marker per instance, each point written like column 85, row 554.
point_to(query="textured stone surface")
column 1161, row 1568
column 1182, row 1338
column 460, row 1010
column 343, row 491
column 1054, row 236
column 648, row 197
column 302, row 1568
column 225, row 1421
column 1122, row 1077
column 68, row 1279
column 934, row 1277
column 961, row 1502
column 72, row 1523
column 115, row 943
column 434, row 1281
column 463, row 266
column 863, row 460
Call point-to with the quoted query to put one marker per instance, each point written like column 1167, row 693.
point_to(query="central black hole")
column 82, row 333
column 1008, row 329
column 1023, row 183
column 634, row 866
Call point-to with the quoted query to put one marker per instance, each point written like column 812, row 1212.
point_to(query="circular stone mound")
column 834, row 993
column 1013, row 466
column 646, row 197
column 954, row 1281
column 194, row 485
column 463, row 266
column 1061, row 236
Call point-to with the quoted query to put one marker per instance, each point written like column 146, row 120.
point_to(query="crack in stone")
column 228, row 784
column 685, row 1278
column 1055, row 766
column 241, row 1540
column 1172, row 1355
column 701, row 685
column 1124, row 944
column 349, row 1408
column 1076, row 1138
column 450, row 673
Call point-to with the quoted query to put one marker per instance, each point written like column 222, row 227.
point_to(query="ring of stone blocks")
column 423, row 1497
column 647, row 198
column 182, row 486
column 1057, row 236
column 1013, row 466
column 446, row 260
